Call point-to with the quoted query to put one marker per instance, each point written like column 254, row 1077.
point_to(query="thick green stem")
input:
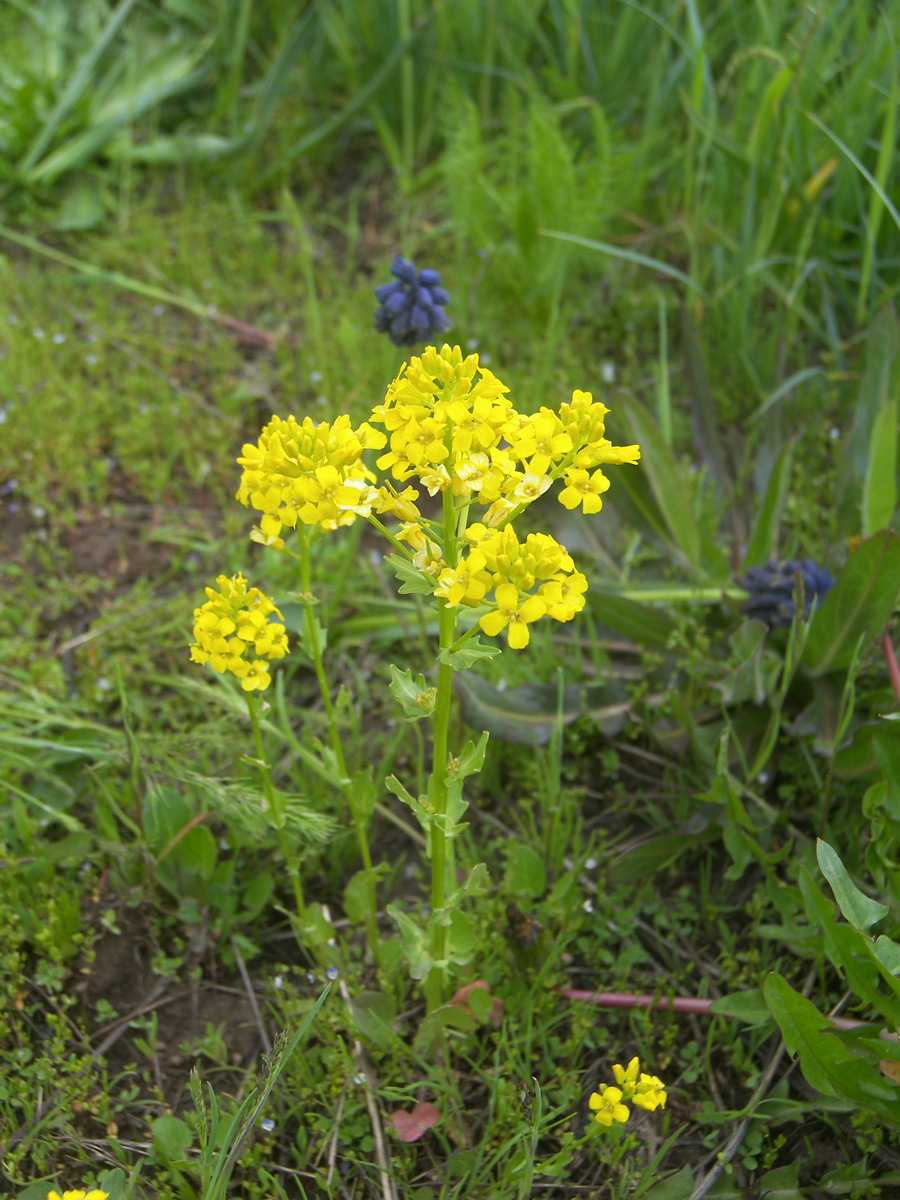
column 441, row 849
column 315, row 650
column 276, row 808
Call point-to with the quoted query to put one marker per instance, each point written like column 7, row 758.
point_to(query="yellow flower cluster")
column 308, row 472
column 78, row 1194
column 529, row 580
column 232, row 626
column 647, row 1092
column 449, row 424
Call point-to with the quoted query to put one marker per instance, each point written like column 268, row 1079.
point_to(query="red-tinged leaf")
column 409, row 1126
column 491, row 1009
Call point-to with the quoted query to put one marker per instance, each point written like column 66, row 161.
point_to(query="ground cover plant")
column 533, row 833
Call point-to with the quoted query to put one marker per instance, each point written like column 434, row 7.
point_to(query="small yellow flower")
column 650, row 1093
column 512, row 616
column 608, row 1107
column 78, row 1194
column 627, row 1079
column 584, row 488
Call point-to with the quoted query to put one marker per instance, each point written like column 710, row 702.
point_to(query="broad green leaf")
column 448, row 1016
column 415, row 942
column 888, row 954
column 666, row 480
column 374, row 1014
column 673, row 1187
column 874, row 392
column 172, row 1138
column 463, row 938
column 527, row 715
column 857, row 908
column 826, row 1063
column 860, row 603
column 749, row 1007
column 525, row 872
column 645, row 624
column 880, row 487
column 765, row 529
column 650, row 857
column 357, row 896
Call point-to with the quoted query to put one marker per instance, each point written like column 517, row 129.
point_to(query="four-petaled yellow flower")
column 608, row 1107
column 512, row 616
column 646, row 1091
column 584, row 488
column 78, row 1194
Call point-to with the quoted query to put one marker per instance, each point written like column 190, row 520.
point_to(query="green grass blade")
column 867, row 175
column 76, row 86
column 632, row 256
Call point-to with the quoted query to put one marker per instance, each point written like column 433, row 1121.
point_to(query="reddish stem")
column 678, row 1004
column 891, row 659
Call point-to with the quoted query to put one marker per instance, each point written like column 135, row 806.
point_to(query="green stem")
column 315, row 650
column 276, row 808
column 441, row 850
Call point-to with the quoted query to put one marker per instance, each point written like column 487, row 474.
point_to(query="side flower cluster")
column 78, row 1194
column 232, row 632
column 447, row 426
column 644, row 1091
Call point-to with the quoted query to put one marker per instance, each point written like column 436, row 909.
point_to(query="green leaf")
column 856, row 907
column 666, row 480
column 472, row 651
column 415, row 943
column 860, row 603
column 888, row 954
column 826, row 1063
column 874, row 392
column 462, row 941
column 650, row 857
column 358, row 892
column 414, row 696
column 448, row 1016
column 172, row 1137
column 749, row 1007
column 527, row 715
column 765, row 529
column 525, row 872
column 374, row 1014
column 880, row 487
column 674, row 1187
column 642, row 623
column 412, row 580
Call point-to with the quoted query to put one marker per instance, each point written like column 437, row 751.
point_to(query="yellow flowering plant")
column 448, row 428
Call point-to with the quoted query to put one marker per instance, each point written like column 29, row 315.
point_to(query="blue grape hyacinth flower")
column 412, row 307
column 771, row 589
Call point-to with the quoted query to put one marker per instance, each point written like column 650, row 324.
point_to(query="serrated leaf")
column 860, row 603
column 857, row 908
column 472, row 651
column 415, row 942
column 413, row 695
column 412, row 580
column 527, row 715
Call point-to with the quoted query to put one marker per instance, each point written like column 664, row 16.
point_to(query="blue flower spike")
column 771, row 589
column 412, row 307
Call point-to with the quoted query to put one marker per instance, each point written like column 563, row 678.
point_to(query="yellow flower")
column 607, row 1106
column 564, row 596
column 583, row 488
column 233, row 624
column 79, row 1194
column 512, row 616
column 627, row 1079
column 650, row 1093
column 465, row 584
